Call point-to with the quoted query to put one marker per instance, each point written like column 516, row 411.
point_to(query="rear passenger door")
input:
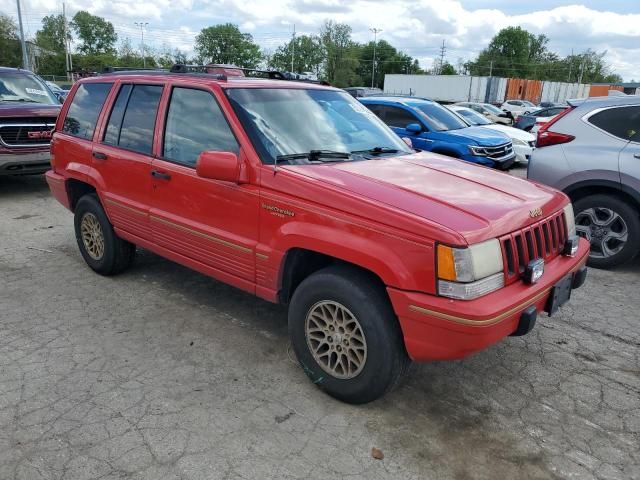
column 123, row 156
column 210, row 222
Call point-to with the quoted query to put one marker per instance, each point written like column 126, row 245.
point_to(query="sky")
column 416, row 27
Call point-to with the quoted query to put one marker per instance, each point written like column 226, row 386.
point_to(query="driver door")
column 398, row 118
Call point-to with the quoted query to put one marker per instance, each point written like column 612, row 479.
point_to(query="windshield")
column 472, row 117
column 492, row 108
column 283, row 121
column 24, row 88
column 439, row 119
column 527, row 103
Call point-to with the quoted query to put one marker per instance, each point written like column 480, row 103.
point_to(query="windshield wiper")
column 316, row 155
column 19, row 100
column 377, row 150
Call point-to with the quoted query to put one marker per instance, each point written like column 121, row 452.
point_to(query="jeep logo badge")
column 536, row 212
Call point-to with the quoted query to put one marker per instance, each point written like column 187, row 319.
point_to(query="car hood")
column 28, row 109
column 476, row 202
column 477, row 135
column 512, row 132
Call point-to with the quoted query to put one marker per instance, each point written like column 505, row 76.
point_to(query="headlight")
column 570, row 219
column 468, row 273
column 517, row 141
column 478, row 151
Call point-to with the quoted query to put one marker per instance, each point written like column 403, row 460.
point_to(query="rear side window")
column 133, row 118
column 622, row 122
column 85, row 108
column 195, row 124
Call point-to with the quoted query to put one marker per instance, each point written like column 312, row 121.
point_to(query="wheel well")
column 582, row 192
column 300, row 263
column 76, row 190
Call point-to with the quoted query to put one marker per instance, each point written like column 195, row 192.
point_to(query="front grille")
column 544, row 239
column 26, row 134
column 500, row 152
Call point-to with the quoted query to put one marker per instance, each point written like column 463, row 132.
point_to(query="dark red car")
column 28, row 112
column 297, row 193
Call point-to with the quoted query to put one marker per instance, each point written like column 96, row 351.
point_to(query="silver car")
column 591, row 151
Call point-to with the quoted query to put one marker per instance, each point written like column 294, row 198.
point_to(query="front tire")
column 612, row 227
column 101, row 248
column 346, row 336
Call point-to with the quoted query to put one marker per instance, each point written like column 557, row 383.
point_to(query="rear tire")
column 101, row 248
column 612, row 227
column 346, row 335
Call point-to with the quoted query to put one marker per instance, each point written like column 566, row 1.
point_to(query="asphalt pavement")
column 163, row 373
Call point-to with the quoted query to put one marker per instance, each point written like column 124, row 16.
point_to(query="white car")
column 492, row 112
column 518, row 107
column 523, row 142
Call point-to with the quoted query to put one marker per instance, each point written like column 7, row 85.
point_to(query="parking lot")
column 163, row 373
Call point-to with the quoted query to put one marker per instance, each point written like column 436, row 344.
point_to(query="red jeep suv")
column 297, row 193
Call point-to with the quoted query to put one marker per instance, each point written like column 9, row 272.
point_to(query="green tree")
column 307, row 51
column 227, row 44
column 51, row 39
column 513, row 52
column 447, row 69
column 97, row 35
column 341, row 54
column 10, row 53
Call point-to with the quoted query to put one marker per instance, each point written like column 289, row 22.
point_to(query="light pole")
column 375, row 31
column 25, row 56
column 142, row 26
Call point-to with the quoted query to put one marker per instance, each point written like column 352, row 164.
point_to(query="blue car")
column 432, row 127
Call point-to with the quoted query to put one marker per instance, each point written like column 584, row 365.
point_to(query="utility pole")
column 443, row 50
column 570, row 65
column 142, row 26
column 375, row 31
column 67, row 55
column 25, row 56
column 581, row 71
column 293, row 48
column 491, row 68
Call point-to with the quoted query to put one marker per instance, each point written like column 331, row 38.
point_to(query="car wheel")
column 346, row 335
column 611, row 226
column 99, row 245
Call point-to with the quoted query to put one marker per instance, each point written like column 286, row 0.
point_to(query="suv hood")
column 476, row 202
column 28, row 109
column 484, row 137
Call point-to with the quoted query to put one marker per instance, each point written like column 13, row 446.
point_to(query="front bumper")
column 12, row 163
column 523, row 153
column 439, row 328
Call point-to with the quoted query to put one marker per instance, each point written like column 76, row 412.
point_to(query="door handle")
column 99, row 155
column 161, row 175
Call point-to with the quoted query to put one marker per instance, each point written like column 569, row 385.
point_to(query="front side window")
column 622, row 122
column 473, row 118
column 399, row 117
column 138, row 121
column 286, row 121
column 20, row 87
column 492, row 108
column 85, row 108
column 195, row 124
column 438, row 118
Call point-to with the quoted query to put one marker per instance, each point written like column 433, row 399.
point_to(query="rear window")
column 84, row 109
column 622, row 122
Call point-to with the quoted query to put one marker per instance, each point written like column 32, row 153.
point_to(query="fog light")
column 571, row 246
column 534, row 271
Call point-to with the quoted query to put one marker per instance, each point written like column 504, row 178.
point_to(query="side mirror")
column 223, row 166
column 413, row 128
column 60, row 97
column 486, row 114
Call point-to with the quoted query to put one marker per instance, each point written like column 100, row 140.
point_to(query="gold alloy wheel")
column 92, row 236
column 335, row 339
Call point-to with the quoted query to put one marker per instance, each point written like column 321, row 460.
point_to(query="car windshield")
column 492, row 108
column 527, row 103
column 20, row 87
column 288, row 121
column 474, row 118
column 439, row 119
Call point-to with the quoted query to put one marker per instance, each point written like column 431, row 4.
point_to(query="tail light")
column 547, row 138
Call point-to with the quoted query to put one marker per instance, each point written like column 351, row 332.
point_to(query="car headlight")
column 468, row 273
column 517, row 141
column 570, row 219
column 478, row 151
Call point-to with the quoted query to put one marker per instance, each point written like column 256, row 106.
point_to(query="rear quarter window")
column 621, row 122
column 85, row 108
